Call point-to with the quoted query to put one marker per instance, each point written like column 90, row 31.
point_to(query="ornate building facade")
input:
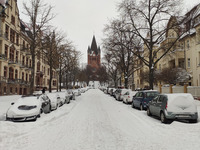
column 15, row 55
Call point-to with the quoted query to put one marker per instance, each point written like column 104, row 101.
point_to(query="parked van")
column 173, row 106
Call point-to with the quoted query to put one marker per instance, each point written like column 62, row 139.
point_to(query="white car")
column 128, row 96
column 25, row 109
column 120, row 93
column 55, row 101
column 77, row 92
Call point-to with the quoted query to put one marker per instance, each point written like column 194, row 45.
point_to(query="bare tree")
column 120, row 43
column 148, row 19
column 39, row 16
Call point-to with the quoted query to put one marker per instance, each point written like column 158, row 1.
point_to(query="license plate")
column 184, row 116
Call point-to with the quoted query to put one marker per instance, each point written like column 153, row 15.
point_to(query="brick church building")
column 94, row 58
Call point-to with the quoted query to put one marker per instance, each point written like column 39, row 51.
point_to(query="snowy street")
column 96, row 121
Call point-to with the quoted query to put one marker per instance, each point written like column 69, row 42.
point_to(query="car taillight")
column 144, row 101
column 166, row 106
column 128, row 96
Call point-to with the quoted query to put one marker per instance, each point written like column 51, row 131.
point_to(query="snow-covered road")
column 95, row 121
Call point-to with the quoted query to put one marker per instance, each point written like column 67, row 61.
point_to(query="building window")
column 26, row 76
column 6, row 51
column 188, row 44
column 23, row 60
column 5, row 72
column 30, row 63
column 11, row 73
column 12, row 35
column 188, row 62
column 12, row 51
column 7, row 31
column 38, row 66
column 16, row 74
column 54, row 83
column 17, row 39
column 29, row 77
column 13, row 20
column 22, row 76
column 17, row 55
column 27, row 62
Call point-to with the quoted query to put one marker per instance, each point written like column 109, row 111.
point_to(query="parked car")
column 76, row 92
column 128, row 96
column 71, row 94
column 25, row 109
column 46, row 103
column 173, row 106
column 142, row 98
column 55, row 101
column 120, row 94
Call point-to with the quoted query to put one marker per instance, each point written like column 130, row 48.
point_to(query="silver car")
column 173, row 106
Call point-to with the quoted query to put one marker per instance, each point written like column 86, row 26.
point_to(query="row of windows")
column 14, row 56
column 13, row 74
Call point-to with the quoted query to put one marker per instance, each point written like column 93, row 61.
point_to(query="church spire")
column 94, row 46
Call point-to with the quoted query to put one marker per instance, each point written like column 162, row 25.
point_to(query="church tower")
column 94, row 55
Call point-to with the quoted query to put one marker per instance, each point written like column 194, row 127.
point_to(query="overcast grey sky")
column 81, row 19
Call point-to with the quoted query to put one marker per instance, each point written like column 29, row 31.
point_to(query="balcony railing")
column 3, row 79
column 3, row 57
column 12, row 61
column 14, row 81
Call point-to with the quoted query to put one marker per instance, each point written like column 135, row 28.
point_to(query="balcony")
column 23, row 82
column 3, row 79
column 3, row 57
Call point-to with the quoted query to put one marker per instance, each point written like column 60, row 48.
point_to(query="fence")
column 194, row 90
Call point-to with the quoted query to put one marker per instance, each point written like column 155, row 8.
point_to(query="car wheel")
column 133, row 106
column 49, row 109
column 148, row 112
column 163, row 118
column 141, row 107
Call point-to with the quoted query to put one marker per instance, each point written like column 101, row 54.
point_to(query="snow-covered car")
column 173, row 106
column 46, row 103
column 77, row 92
column 128, row 96
column 70, row 94
column 55, row 101
column 25, row 109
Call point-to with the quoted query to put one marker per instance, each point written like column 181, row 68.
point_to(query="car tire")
column 133, row 106
column 141, row 107
column 163, row 118
column 148, row 112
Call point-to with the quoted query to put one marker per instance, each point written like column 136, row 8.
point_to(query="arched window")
column 11, row 73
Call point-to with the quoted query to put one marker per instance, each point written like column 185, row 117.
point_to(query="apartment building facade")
column 184, row 54
column 15, row 55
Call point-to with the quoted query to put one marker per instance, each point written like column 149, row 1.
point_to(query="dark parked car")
column 142, row 98
column 173, row 106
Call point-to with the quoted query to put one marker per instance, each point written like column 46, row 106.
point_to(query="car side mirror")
column 12, row 103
